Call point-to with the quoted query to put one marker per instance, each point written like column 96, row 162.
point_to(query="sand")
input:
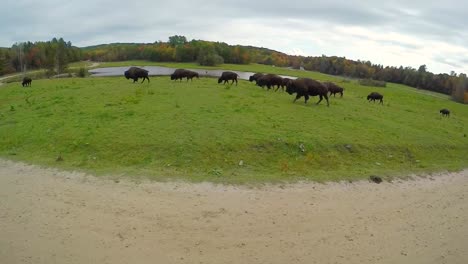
column 50, row 216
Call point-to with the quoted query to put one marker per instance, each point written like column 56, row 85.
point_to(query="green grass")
column 200, row 131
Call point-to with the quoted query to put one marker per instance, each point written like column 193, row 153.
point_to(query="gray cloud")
column 310, row 26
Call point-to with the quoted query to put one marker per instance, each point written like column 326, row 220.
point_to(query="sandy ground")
column 48, row 216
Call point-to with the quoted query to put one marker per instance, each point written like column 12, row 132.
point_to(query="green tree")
column 177, row 40
column 207, row 56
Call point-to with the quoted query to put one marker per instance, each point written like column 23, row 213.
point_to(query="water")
column 166, row 71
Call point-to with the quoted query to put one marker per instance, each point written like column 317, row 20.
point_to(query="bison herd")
column 302, row 87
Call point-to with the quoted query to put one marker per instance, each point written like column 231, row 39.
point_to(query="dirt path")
column 47, row 216
column 93, row 65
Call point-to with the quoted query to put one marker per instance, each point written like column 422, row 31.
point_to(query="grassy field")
column 202, row 131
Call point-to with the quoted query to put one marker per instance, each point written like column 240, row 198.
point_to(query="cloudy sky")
column 391, row 32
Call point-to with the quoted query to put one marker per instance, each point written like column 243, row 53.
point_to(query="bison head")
column 251, row 78
column 172, row 76
column 290, row 87
column 220, row 80
column 127, row 74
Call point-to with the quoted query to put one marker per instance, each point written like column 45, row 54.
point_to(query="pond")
column 158, row 70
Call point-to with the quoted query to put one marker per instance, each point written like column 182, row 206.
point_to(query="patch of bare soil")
column 49, row 216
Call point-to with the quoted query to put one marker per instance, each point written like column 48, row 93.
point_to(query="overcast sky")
column 391, row 32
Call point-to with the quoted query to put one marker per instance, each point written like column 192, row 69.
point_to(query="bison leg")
column 320, row 100
column 297, row 97
column 326, row 98
column 381, row 101
column 306, row 97
column 341, row 94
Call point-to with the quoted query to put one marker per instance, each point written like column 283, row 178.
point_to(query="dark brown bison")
column 445, row 112
column 334, row 89
column 255, row 77
column 179, row 74
column 26, row 81
column 375, row 96
column 192, row 74
column 270, row 80
column 307, row 87
column 135, row 73
column 228, row 76
column 182, row 73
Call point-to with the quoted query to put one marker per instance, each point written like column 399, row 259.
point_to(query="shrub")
column 82, row 72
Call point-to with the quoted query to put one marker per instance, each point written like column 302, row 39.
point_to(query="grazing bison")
column 179, row 74
column 270, row 80
column 255, row 77
column 307, row 87
column 228, row 76
column 26, row 81
column 375, row 96
column 135, row 73
column 192, row 74
column 182, row 73
column 445, row 112
column 334, row 89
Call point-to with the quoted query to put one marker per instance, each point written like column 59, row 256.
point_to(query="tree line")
column 421, row 78
column 55, row 54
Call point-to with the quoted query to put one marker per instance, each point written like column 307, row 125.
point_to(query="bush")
column 82, row 72
column 370, row 82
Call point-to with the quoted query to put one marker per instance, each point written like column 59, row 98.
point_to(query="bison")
column 255, row 77
column 135, row 73
column 307, row 87
column 445, row 112
column 178, row 74
column 228, row 76
column 334, row 89
column 270, row 80
column 26, row 81
column 375, row 96
column 192, row 74
column 182, row 73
